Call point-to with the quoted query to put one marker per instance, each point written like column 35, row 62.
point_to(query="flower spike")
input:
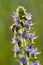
column 23, row 38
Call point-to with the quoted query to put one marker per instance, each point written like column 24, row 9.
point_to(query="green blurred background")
column 7, row 7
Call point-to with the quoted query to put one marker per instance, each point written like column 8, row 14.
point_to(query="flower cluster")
column 23, row 38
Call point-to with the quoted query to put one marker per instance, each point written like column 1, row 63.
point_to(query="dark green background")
column 7, row 7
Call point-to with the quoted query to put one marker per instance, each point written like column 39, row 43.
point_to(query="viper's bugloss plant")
column 23, row 39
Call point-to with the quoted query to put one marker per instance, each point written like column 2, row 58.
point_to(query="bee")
column 12, row 27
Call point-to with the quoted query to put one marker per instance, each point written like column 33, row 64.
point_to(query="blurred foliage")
column 7, row 7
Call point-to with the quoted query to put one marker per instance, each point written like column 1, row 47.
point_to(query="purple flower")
column 15, row 40
column 29, row 48
column 29, row 16
column 16, row 49
column 22, row 59
column 32, row 36
column 36, row 63
column 28, row 24
column 32, row 51
column 24, row 34
column 35, row 52
column 18, row 22
column 15, row 15
column 30, row 63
